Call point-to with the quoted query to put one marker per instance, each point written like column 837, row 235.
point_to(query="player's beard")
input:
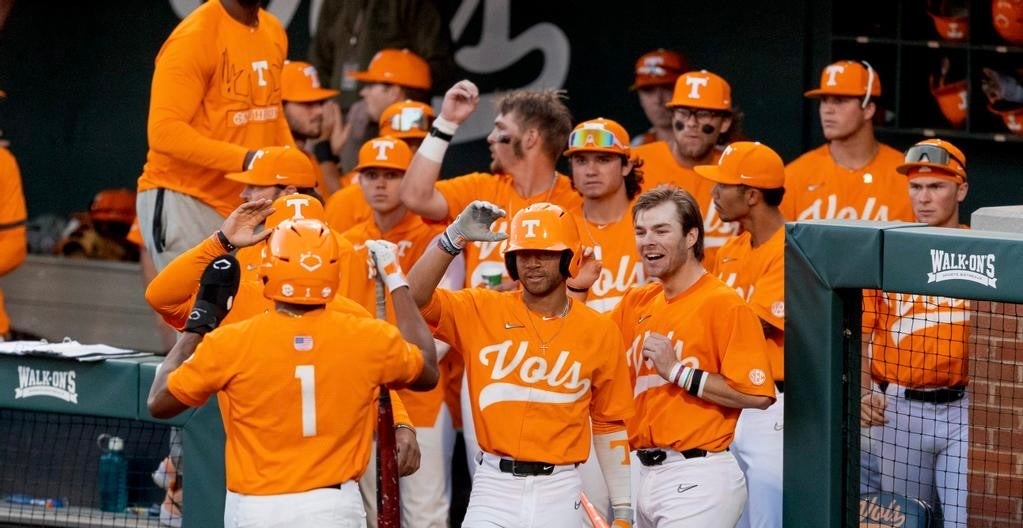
column 545, row 287
column 517, row 151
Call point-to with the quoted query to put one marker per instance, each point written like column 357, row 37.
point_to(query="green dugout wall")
column 828, row 263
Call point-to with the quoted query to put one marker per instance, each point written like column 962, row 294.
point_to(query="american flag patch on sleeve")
column 303, row 343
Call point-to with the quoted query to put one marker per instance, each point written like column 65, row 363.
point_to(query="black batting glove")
column 217, row 288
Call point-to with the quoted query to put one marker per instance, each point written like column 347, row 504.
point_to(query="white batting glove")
column 385, row 258
column 473, row 225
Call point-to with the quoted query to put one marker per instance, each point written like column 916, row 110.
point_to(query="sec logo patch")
column 778, row 309
column 757, row 377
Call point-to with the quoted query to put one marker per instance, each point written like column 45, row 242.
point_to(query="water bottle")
column 113, row 475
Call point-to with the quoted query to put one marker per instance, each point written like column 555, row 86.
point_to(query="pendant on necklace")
column 543, row 348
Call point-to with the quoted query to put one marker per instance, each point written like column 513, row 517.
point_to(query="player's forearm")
column 414, row 330
column 170, row 292
column 161, row 403
column 612, row 450
column 418, row 191
column 425, row 275
column 717, row 390
column 174, row 137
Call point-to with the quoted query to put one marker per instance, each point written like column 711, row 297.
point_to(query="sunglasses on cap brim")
column 593, row 138
column 931, row 154
column 410, row 119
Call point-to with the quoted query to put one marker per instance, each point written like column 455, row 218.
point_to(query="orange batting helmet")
column 546, row 227
column 300, row 265
column 113, row 205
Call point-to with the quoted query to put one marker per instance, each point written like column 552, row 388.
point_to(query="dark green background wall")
column 77, row 77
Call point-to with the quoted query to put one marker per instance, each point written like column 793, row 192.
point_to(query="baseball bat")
column 596, row 519
column 388, row 505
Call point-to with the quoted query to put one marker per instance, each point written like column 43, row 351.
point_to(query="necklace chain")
column 545, row 343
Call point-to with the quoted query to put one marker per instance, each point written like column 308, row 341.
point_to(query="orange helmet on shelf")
column 951, row 19
column 544, row 226
column 300, row 264
column 1007, row 17
column 1012, row 117
column 113, row 205
column 953, row 101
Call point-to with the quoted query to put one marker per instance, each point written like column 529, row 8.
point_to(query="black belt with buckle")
column 526, row 469
column 656, row 457
column 332, row 486
column 936, row 396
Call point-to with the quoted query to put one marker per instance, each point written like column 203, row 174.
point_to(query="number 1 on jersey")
column 306, row 375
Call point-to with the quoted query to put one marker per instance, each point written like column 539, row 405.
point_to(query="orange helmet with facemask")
column 300, row 263
column 544, row 227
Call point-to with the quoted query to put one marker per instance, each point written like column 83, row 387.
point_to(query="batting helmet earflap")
column 300, row 263
column 544, row 226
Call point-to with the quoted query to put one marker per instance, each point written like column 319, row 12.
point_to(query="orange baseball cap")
column 113, row 205
column 394, row 66
column 702, row 89
column 659, row 67
column 300, row 83
column 923, row 158
column 406, row 120
column 848, row 79
column 294, row 207
column 384, row 153
column 599, row 135
column 278, row 166
column 746, row 163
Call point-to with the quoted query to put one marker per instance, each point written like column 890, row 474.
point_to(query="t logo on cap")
column 832, row 71
column 383, row 146
column 695, row 83
column 297, row 204
column 530, row 226
column 310, row 71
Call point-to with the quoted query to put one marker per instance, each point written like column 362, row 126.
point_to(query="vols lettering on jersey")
column 286, row 394
column 535, row 381
column 222, row 79
column 487, row 258
column 712, row 329
column 613, row 244
column 918, row 341
column 660, row 167
column 816, row 188
column 758, row 275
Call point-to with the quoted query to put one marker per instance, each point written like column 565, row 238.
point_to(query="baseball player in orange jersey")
column 915, row 406
column 12, row 225
column 540, row 367
column 697, row 356
column 529, row 134
column 608, row 177
column 216, row 98
column 852, row 176
column 298, row 417
column 305, row 105
column 406, row 120
column 749, row 185
column 426, row 494
column 703, row 121
column 656, row 72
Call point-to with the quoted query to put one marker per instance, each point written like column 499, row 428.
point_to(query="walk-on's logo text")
column 58, row 384
column 962, row 266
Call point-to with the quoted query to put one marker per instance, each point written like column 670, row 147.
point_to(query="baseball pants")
column 184, row 222
column 472, row 447
column 924, row 452
column 708, row 492
column 500, row 499
column 426, row 494
column 368, row 487
column 318, row 508
column 758, row 448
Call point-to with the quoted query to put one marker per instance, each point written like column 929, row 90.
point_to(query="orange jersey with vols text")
column 614, row 245
column 347, row 208
column 413, row 237
column 660, row 167
column 917, row 340
column 758, row 274
column 12, row 224
column 712, row 329
column 816, row 188
column 216, row 94
column 298, row 406
column 534, row 383
column 486, row 258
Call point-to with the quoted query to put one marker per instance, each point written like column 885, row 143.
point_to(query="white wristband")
column 395, row 281
column 433, row 149
column 445, row 126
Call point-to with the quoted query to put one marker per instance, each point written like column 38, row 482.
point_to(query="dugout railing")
column 828, row 266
